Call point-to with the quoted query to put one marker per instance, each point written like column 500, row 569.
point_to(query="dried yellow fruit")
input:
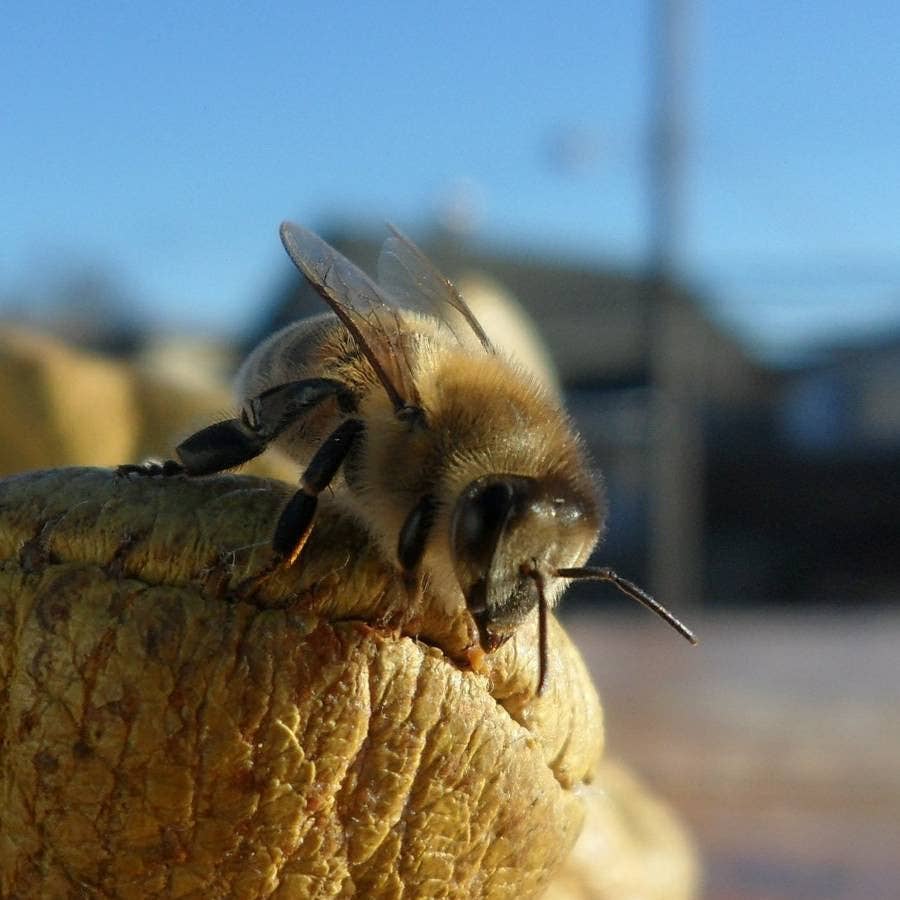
column 175, row 725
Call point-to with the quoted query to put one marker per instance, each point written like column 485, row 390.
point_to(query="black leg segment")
column 295, row 523
column 152, row 467
column 414, row 533
column 278, row 407
column 219, row 447
column 227, row 444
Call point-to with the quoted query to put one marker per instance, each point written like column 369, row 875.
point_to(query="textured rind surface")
column 171, row 724
column 631, row 845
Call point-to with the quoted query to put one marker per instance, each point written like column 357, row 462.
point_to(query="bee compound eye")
column 482, row 514
column 480, row 517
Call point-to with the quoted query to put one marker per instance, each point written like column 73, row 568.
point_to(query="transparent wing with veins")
column 408, row 276
column 361, row 305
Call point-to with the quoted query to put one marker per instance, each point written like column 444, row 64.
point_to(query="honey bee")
column 459, row 463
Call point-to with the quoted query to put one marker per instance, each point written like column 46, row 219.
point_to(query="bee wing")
column 360, row 304
column 408, row 276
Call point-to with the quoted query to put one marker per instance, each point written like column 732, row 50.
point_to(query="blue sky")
column 164, row 143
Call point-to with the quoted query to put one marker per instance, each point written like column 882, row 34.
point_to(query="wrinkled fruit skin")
column 174, row 724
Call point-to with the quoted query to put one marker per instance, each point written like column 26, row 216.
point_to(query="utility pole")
column 676, row 501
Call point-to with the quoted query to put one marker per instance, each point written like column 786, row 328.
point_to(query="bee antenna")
column 543, row 651
column 632, row 590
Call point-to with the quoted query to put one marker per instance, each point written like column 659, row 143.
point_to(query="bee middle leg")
column 296, row 520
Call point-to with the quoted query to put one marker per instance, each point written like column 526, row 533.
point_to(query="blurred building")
column 813, row 496
column 797, row 470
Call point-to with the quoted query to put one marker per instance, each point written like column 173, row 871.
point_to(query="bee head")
column 504, row 529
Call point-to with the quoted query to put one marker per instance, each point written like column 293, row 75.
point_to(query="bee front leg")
column 414, row 534
column 410, row 550
column 296, row 520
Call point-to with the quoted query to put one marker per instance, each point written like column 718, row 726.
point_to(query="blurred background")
column 696, row 203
